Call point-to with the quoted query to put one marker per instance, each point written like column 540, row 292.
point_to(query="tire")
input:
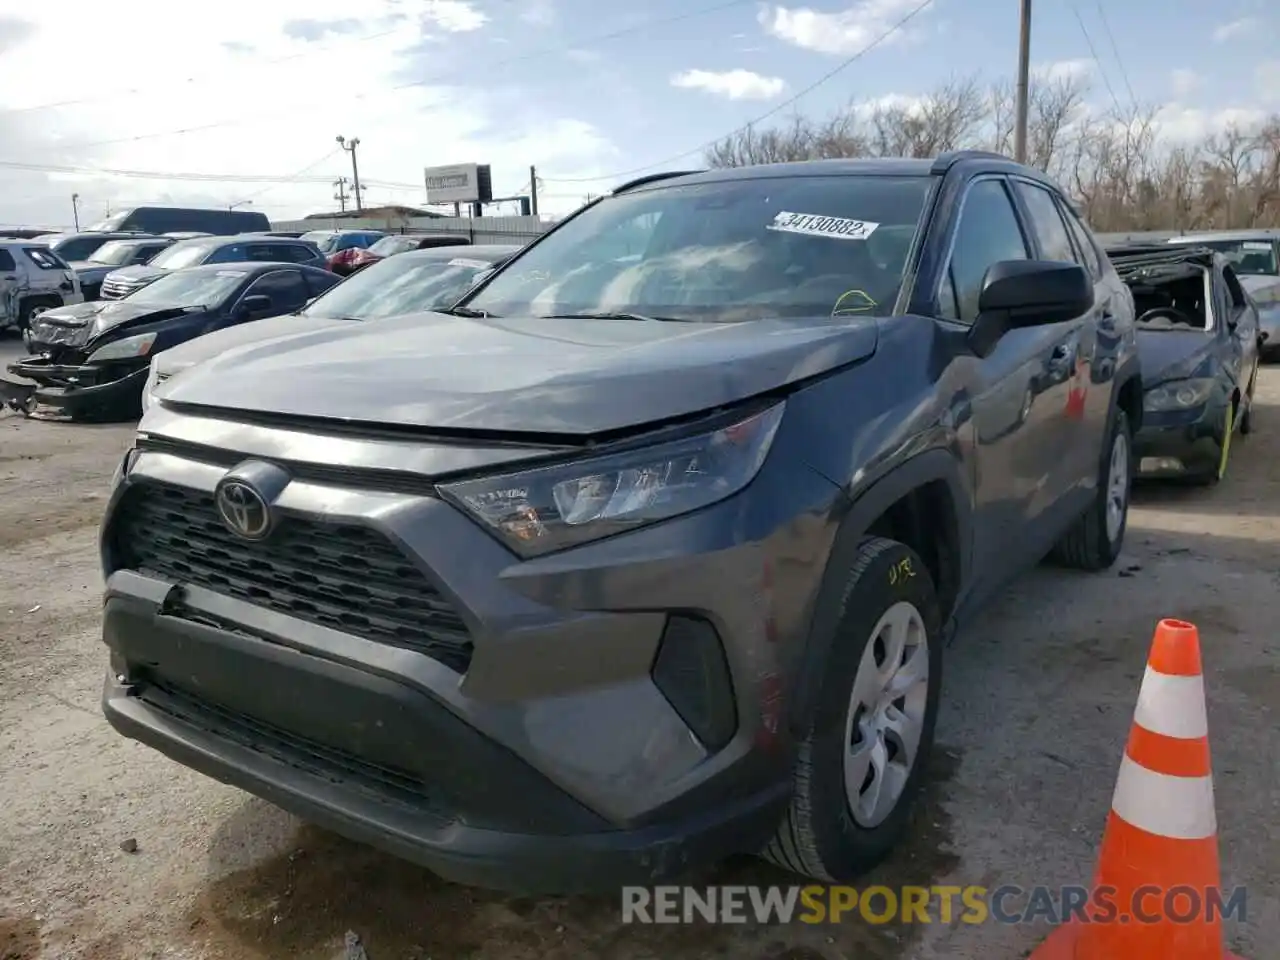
column 821, row 837
column 1093, row 543
column 28, row 310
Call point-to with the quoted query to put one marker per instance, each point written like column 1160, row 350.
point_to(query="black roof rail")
column 944, row 161
column 653, row 178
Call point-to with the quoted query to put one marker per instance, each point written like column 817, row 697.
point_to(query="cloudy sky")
column 239, row 102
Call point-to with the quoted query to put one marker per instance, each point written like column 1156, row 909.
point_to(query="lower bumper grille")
column 344, row 576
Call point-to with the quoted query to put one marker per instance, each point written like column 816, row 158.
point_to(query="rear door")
column 1241, row 328
column 10, row 289
column 1068, row 435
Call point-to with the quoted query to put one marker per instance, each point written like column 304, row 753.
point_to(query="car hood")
column 1172, row 354
column 171, row 361
column 85, row 268
column 107, row 313
column 138, row 273
column 526, row 375
column 1265, row 290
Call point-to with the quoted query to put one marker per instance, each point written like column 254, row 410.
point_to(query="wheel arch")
column 925, row 504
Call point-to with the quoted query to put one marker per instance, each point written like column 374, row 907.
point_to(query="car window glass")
column 6, row 261
column 285, row 288
column 988, row 232
column 80, row 248
column 1046, row 223
column 1084, row 242
column 948, row 305
column 231, row 253
column 44, row 258
column 318, row 283
column 724, row 251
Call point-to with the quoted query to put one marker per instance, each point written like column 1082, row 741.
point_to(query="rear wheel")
column 1094, row 542
column 862, row 761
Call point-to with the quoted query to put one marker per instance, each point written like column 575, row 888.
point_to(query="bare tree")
column 1116, row 164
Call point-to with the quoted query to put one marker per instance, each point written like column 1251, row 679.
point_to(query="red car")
column 356, row 259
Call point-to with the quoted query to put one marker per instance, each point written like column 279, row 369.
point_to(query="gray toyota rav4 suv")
column 646, row 552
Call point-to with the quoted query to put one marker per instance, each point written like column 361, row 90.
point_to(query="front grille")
column 118, row 289
column 344, row 576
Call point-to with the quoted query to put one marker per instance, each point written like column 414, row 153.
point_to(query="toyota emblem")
column 243, row 509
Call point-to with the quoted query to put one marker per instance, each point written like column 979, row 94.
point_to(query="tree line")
column 1119, row 167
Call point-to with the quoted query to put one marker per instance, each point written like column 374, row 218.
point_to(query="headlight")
column 1180, row 395
column 551, row 508
column 138, row 346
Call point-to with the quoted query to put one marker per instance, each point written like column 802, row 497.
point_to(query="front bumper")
column 108, row 389
column 1181, row 443
column 548, row 759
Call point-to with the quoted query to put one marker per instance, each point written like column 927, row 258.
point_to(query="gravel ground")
column 1037, row 703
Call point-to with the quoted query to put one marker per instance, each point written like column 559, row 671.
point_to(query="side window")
column 231, row 253
column 988, row 232
column 298, row 253
column 319, row 283
column 270, row 252
column 44, row 259
column 1046, row 223
column 144, row 254
column 285, row 288
column 1084, row 240
column 6, row 261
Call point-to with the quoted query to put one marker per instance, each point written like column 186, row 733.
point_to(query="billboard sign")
column 459, row 183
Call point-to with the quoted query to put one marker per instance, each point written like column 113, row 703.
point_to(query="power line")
column 1094, row 53
column 158, row 174
column 764, row 116
column 1116, row 52
column 196, row 78
column 299, row 173
column 422, row 81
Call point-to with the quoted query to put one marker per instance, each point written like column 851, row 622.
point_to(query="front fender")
column 865, row 508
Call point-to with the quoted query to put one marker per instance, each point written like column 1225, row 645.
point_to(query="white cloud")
column 454, row 16
column 1183, row 81
column 731, row 84
column 843, row 32
column 1181, row 123
column 910, row 104
column 1060, row 70
column 257, row 99
column 1235, row 28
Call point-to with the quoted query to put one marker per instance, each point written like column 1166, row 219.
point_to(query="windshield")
column 1249, row 257
column 722, row 252
column 113, row 253
column 111, row 224
column 182, row 254
column 204, row 288
column 398, row 285
column 388, row 246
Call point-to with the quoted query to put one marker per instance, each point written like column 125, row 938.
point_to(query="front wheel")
column 862, row 761
column 1094, row 542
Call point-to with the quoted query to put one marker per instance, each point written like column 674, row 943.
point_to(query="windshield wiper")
column 469, row 312
column 618, row 315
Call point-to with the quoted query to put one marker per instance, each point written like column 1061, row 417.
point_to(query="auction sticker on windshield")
column 814, row 225
column 1256, row 245
column 464, row 262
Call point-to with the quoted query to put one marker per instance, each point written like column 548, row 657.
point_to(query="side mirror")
column 1028, row 293
column 257, row 305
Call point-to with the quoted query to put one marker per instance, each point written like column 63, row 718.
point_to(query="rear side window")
column 284, row 287
column 298, row 253
column 44, row 259
column 6, row 261
column 1047, row 224
column 318, row 283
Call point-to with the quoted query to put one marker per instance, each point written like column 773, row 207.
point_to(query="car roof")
column 1133, row 255
column 479, row 251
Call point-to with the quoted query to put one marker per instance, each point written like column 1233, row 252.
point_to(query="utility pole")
column 75, row 210
column 533, row 190
column 1024, row 77
column 341, row 195
column 350, row 147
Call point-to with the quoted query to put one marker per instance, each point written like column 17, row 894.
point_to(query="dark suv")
column 645, row 552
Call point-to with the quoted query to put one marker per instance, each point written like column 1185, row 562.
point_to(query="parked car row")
column 769, row 436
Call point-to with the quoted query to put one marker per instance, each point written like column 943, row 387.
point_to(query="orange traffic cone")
column 1158, row 867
